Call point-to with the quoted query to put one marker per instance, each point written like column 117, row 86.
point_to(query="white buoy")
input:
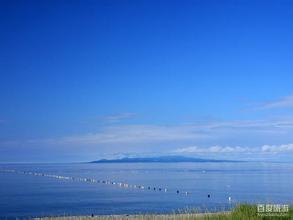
column 229, row 198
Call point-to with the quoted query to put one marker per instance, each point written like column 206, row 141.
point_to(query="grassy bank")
column 241, row 212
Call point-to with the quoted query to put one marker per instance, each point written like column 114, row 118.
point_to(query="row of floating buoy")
column 106, row 182
column 91, row 180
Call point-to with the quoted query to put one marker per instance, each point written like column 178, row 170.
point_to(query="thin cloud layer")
column 130, row 134
column 114, row 118
column 283, row 102
column 140, row 134
column 284, row 148
column 143, row 139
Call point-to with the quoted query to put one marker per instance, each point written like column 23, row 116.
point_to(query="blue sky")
column 81, row 80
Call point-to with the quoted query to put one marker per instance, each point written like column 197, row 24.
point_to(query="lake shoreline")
column 138, row 216
column 241, row 212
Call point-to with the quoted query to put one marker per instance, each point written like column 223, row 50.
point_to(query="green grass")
column 241, row 212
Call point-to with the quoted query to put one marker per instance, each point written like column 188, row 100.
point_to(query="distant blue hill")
column 162, row 159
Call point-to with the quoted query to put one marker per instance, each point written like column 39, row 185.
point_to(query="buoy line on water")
column 91, row 180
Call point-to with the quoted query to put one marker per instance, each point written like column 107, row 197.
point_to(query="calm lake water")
column 28, row 195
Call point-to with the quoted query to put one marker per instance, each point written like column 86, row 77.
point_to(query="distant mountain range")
column 162, row 159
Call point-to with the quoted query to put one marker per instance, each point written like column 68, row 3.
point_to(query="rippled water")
column 29, row 195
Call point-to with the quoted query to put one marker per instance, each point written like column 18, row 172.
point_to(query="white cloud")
column 277, row 148
column 212, row 149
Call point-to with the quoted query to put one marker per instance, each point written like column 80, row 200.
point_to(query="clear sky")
column 82, row 80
